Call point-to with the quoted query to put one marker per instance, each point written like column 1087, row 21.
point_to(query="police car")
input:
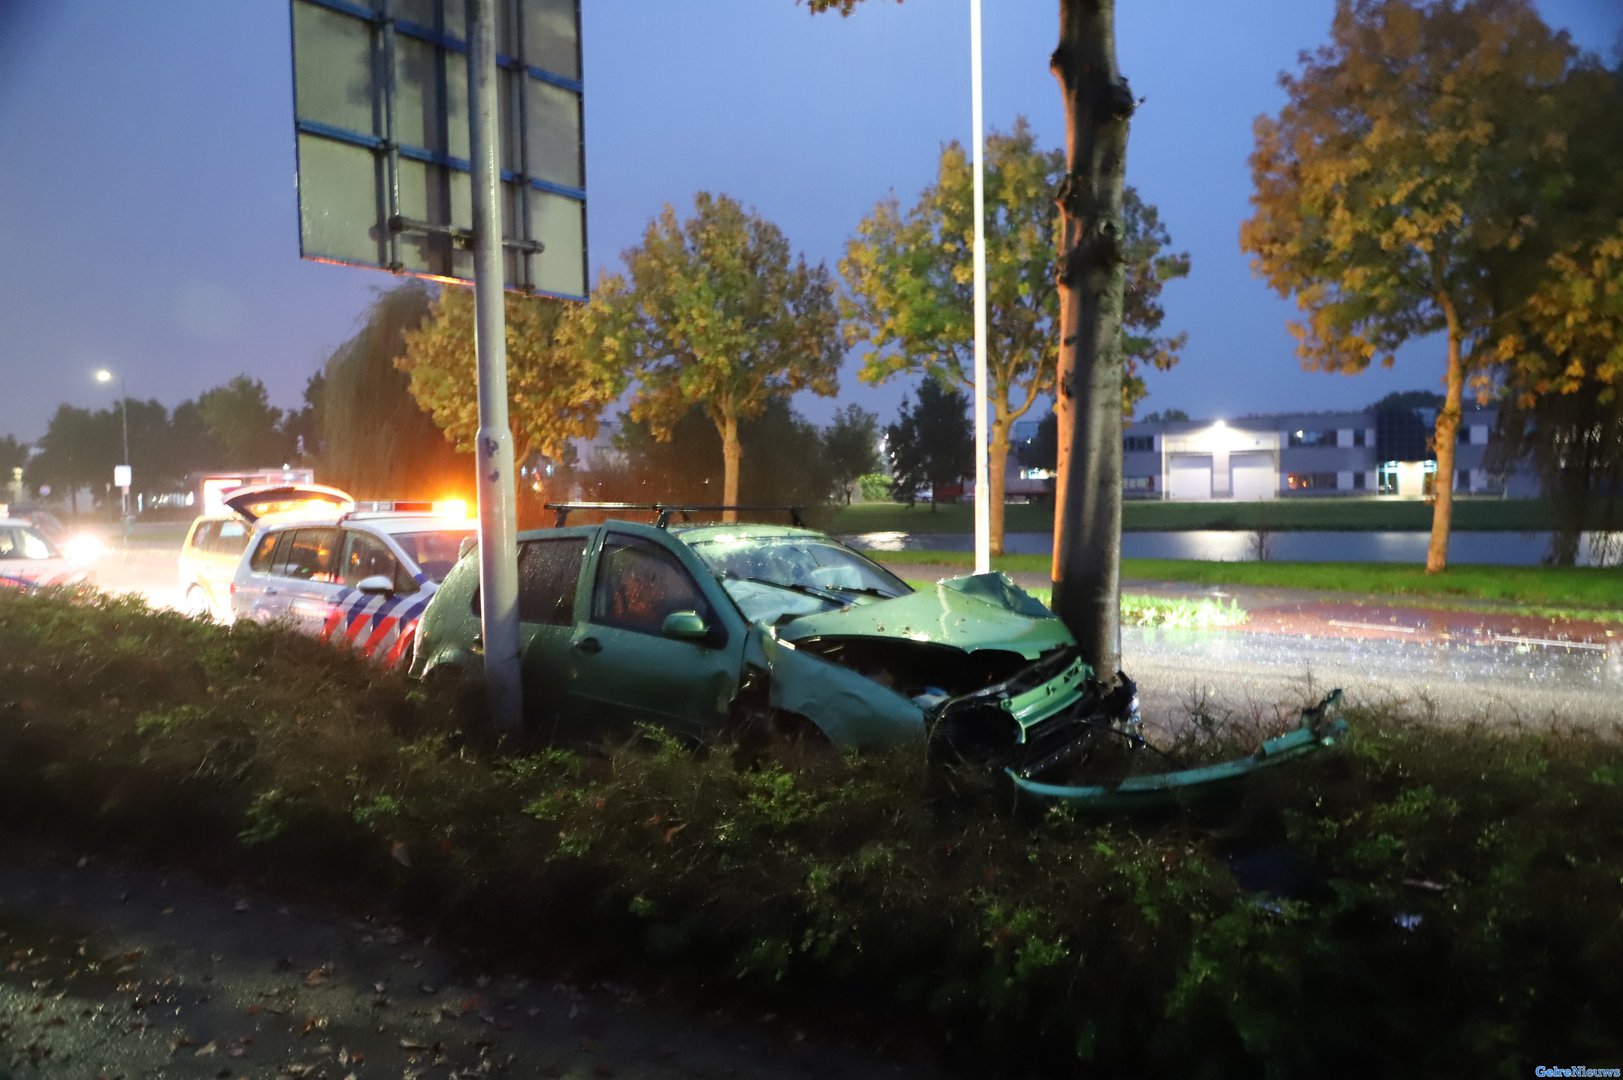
column 358, row 574
column 29, row 559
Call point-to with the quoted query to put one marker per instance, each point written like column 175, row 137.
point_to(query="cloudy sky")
column 149, row 223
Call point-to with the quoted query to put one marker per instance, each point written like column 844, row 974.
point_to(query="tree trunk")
column 1445, row 438
column 731, row 455
column 1091, row 277
column 997, row 464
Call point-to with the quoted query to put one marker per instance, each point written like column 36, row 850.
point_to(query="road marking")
column 1372, row 626
column 1550, row 643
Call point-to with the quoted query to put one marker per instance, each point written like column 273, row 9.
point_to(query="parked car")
column 698, row 626
column 208, row 561
column 29, row 560
column 341, row 571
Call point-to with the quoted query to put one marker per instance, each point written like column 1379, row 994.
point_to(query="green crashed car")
column 698, row 627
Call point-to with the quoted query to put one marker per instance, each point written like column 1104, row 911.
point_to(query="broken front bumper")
column 1317, row 730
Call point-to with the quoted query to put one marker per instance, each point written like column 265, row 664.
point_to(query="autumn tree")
column 564, row 366
column 1090, row 270
column 1407, row 167
column 1562, row 350
column 720, row 313
column 910, row 300
column 851, row 447
column 930, row 442
column 376, row 442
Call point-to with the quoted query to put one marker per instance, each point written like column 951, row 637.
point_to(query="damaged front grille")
column 986, row 725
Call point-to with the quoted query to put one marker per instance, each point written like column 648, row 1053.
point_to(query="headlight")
column 83, row 548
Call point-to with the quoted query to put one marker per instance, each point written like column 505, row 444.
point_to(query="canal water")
column 1464, row 548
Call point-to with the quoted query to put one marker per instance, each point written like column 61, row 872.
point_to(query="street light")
column 124, row 413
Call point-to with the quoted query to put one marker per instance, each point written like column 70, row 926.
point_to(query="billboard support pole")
column 498, row 547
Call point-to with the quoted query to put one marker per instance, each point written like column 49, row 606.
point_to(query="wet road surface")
column 1477, row 664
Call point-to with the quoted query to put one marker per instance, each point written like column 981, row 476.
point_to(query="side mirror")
column 376, row 585
column 686, row 625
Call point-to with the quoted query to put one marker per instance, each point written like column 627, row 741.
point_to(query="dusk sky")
column 149, row 222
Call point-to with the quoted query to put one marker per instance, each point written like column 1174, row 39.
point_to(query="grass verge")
column 1169, row 612
column 1588, row 592
column 1423, row 900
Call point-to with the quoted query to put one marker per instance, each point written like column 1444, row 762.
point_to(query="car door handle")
column 589, row 645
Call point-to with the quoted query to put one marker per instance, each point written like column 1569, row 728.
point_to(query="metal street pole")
column 498, row 546
column 124, row 415
column 983, row 505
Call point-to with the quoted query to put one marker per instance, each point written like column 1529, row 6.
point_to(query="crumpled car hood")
column 978, row 611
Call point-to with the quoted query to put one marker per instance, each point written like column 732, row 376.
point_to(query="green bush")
column 1452, row 902
column 875, row 487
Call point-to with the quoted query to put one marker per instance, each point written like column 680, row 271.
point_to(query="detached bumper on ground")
column 1317, row 731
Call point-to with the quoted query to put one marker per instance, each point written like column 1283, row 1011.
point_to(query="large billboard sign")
column 381, row 112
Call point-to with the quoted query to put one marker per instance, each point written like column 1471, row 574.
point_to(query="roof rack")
column 665, row 510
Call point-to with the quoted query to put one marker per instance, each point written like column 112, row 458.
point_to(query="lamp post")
column 124, row 414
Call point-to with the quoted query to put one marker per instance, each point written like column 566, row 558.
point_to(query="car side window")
column 366, row 556
column 309, row 555
column 230, row 537
column 264, row 557
column 548, row 571
column 639, row 585
column 203, row 538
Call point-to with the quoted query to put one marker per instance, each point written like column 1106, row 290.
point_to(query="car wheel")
column 197, row 604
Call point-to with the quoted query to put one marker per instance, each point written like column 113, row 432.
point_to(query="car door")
column 621, row 662
column 307, row 577
column 380, row 625
column 549, row 587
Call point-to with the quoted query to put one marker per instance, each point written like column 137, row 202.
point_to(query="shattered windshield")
column 780, row 577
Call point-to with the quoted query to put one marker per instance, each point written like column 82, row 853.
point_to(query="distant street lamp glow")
column 105, row 376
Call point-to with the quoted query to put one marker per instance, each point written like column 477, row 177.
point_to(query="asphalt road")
column 107, row 971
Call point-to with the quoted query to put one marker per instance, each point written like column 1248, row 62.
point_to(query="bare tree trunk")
column 997, row 465
column 1445, row 438
column 731, row 455
column 1091, row 277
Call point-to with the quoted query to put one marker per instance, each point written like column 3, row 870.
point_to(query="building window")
column 1302, row 437
column 1138, row 483
column 1360, row 438
column 1358, row 481
column 1310, row 481
column 1138, row 443
column 1463, row 483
